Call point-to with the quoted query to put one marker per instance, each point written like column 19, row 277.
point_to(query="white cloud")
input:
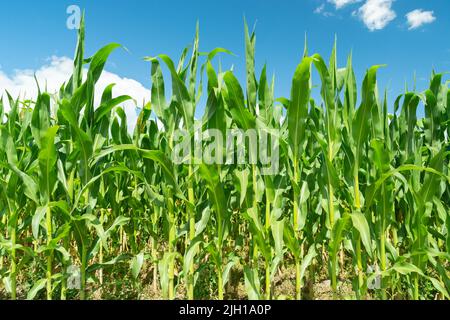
column 51, row 76
column 376, row 14
column 418, row 17
column 58, row 70
column 342, row 3
column 321, row 10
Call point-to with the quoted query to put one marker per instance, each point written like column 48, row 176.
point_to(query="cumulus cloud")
column 51, row 76
column 342, row 3
column 376, row 14
column 419, row 17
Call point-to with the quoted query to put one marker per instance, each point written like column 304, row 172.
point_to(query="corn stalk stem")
column 333, row 275
column 83, row 272
column 358, row 238
column 255, row 206
column 416, row 286
column 296, row 178
column 13, row 261
column 100, row 257
column 154, row 242
column 50, row 253
column 268, row 226
column 330, row 188
column 298, row 283
column 331, row 204
column 220, row 283
column 63, row 295
column 268, row 286
column 191, row 214
column 172, row 238
column 383, row 249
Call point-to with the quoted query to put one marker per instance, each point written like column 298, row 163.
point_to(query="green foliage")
column 358, row 188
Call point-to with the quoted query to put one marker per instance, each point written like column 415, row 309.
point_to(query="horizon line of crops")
column 359, row 188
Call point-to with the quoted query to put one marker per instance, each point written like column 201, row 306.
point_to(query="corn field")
column 360, row 203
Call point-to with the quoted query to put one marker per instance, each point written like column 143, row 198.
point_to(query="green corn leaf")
column 38, row 286
column 252, row 284
column 136, row 265
column 360, row 223
column 47, row 162
column 236, row 104
column 298, row 107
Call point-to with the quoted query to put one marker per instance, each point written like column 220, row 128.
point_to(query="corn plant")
column 361, row 194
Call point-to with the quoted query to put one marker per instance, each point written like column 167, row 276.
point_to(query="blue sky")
column 377, row 31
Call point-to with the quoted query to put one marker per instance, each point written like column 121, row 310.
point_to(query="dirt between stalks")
column 283, row 285
column 124, row 289
column 119, row 285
